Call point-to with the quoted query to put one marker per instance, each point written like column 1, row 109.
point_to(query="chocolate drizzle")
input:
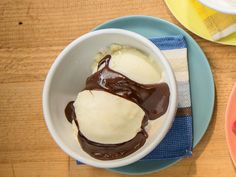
column 70, row 113
column 152, row 98
column 112, row 151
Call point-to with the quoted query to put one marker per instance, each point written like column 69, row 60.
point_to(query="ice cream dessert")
column 124, row 92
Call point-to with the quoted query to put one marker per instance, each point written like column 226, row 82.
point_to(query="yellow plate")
column 186, row 14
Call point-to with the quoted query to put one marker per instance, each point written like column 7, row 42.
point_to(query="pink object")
column 230, row 124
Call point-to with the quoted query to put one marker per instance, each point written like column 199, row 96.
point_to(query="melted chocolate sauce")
column 152, row 98
column 70, row 113
column 112, row 151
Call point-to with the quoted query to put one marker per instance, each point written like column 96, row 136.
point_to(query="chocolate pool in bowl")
column 152, row 98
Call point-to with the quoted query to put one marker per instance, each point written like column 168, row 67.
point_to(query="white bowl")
column 67, row 77
column 224, row 6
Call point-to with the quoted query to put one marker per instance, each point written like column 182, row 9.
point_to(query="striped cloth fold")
column 178, row 141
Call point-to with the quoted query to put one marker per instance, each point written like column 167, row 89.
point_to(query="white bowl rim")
column 164, row 130
column 222, row 9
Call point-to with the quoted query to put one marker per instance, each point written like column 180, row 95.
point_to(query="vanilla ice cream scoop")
column 106, row 118
column 133, row 64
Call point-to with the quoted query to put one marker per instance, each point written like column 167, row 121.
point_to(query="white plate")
column 224, row 6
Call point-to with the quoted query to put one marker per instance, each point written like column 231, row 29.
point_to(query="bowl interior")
column 67, row 77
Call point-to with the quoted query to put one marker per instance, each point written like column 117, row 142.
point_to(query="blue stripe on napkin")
column 177, row 143
column 170, row 42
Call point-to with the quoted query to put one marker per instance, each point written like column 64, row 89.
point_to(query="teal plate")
column 201, row 81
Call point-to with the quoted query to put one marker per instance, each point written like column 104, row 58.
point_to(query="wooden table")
column 32, row 33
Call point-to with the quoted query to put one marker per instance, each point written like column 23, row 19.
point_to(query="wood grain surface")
column 32, row 34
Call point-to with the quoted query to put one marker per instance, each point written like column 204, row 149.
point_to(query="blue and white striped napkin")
column 179, row 140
